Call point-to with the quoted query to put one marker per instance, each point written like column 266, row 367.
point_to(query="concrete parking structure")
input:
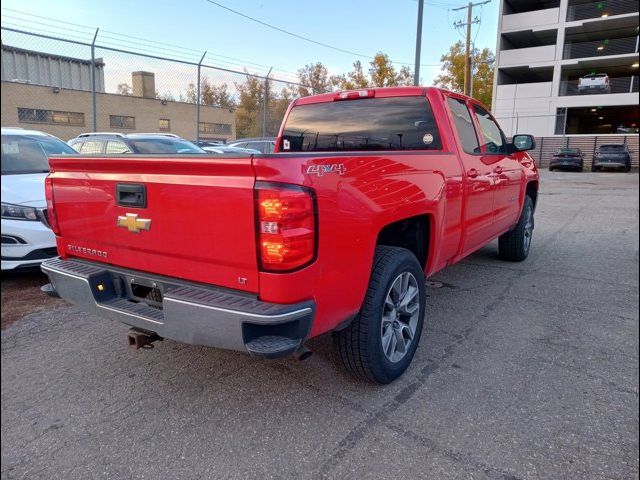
column 525, row 370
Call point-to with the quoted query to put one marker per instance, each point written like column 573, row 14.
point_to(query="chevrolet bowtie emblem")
column 134, row 224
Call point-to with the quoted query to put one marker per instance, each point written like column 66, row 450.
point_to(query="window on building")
column 114, row 147
column 492, row 139
column 164, row 125
column 122, row 121
column 91, row 148
column 36, row 115
column 220, row 128
column 464, row 125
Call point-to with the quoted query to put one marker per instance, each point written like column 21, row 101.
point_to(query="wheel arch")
column 412, row 233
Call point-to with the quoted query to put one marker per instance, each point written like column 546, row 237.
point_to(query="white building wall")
column 532, row 107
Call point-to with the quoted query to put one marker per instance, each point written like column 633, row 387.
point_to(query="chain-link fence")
column 119, row 85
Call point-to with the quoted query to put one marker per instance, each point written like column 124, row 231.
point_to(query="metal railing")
column 257, row 101
column 616, row 85
column 583, row 11
column 600, row 48
column 546, row 147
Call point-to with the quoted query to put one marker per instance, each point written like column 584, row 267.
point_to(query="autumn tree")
column 381, row 73
column 452, row 74
column 316, row 78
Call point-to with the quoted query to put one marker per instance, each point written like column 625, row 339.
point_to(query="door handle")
column 473, row 173
column 498, row 170
column 131, row 195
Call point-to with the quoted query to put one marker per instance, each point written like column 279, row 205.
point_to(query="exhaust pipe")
column 141, row 339
column 302, row 353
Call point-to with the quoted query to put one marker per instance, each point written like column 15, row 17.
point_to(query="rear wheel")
column 594, row 168
column 627, row 169
column 514, row 245
column 380, row 342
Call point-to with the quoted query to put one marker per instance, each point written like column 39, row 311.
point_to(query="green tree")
column 124, row 89
column 316, row 77
column 353, row 80
column 452, row 73
column 210, row 94
column 249, row 108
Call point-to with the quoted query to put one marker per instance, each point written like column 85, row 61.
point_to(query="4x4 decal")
column 321, row 170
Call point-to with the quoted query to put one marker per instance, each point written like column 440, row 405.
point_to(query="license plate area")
column 139, row 289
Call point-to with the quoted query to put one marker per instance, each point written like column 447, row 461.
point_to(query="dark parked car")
column 263, row 144
column 612, row 156
column 108, row 143
column 567, row 158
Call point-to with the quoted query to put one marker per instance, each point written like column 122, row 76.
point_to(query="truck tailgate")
column 195, row 222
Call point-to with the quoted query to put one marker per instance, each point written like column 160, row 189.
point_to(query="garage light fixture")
column 594, row 110
column 600, row 118
column 635, row 65
column 600, row 47
column 605, row 15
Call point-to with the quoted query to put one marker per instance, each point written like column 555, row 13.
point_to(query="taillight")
column 286, row 224
column 51, row 213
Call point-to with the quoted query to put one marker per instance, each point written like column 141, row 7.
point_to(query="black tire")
column 594, row 168
column 514, row 245
column 627, row 169
column 359, row 345
column 550, row 168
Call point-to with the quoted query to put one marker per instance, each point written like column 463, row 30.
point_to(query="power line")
column 113, row 39
column 306, row 39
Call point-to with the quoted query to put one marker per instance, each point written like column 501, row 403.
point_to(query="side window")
column 76, row 146
column 91, row 148
column 270, row 147
column 464, row 125
column 492, row 138
column 117, row 147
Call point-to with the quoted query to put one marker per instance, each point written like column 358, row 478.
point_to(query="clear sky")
column 232, row 41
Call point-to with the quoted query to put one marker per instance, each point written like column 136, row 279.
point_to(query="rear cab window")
column 612, row 148
column 367, row 124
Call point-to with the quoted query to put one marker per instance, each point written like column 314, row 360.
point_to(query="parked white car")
column 595, row 82
column 26, row 238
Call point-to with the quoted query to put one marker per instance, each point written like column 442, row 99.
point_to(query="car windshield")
column 164, row 145
column 612, row 148
column 29, row 153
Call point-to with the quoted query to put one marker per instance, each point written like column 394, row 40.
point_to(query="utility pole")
column 467, row 56
column 416, row 70
column 265, row 103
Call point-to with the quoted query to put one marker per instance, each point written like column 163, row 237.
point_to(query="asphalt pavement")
column 525, row 371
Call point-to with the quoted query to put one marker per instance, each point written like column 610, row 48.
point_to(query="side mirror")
column 524, row 142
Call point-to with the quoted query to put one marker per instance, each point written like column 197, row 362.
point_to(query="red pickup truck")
column 368, row 193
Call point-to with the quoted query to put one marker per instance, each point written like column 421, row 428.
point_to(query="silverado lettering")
column 367, row 194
